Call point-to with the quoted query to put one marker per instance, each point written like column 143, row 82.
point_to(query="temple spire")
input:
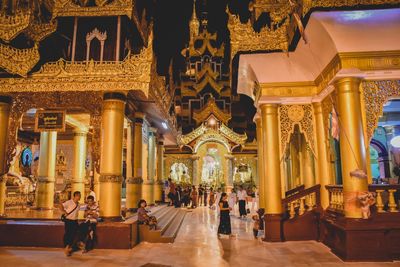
column 194, row 23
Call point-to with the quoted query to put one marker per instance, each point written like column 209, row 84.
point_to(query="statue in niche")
column 367, row 199
column 61, row 159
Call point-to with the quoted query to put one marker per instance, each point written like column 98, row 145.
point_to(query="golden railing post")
column 112, row 126
column 379, row 202
column 292, row 212
column 392, row 203
column 352, row 143
column 301, row 208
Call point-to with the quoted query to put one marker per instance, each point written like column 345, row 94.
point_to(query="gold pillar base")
column 78, row 186
column 148, row 191
column 158, row 189
column 110, row 196
column 45, row 194
column 133, row 192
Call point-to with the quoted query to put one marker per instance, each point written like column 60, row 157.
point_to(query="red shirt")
column 172, row 188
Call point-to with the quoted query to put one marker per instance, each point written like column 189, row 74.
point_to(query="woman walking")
column 224, row 227
column 194, row 197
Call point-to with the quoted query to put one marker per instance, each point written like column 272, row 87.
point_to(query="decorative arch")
column 377, row 93
column 203, row 141
column 301, row 115
column 382, row 151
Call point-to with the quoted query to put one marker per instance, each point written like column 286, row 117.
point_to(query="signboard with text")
column 50, row 120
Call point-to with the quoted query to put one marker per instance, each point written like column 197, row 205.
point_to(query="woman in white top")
column 232, row 201
column 242, row 197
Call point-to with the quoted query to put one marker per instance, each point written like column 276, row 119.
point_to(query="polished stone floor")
column 196, row 245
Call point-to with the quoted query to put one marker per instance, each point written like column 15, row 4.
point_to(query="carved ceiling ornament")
column 11, row 26
column 376, row 94
column 244, row 38
column 39, row 31
column 89, row 101
column 18, row 61
column 288, row 120
column 286, row 17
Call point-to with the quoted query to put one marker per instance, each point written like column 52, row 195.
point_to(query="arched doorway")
column 213, row 169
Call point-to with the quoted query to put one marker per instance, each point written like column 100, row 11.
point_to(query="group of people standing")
column 191, row 197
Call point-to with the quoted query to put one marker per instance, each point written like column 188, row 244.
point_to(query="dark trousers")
column 87, row 234
column 70, row 232
column 242, row 208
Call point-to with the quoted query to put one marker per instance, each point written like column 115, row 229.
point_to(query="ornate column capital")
column 111, row 178
column 134, row 180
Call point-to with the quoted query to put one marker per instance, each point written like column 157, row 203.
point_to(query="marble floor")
column 196, row 245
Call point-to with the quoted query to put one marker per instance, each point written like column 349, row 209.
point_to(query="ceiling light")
column 164, row 125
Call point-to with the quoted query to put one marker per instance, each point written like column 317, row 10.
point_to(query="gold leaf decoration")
column 38, row 31
column 18, row 61
column 11, row 26
column 244, row 38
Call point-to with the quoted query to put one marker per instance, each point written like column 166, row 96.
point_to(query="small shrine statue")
column 61, row 159
column 367, row 199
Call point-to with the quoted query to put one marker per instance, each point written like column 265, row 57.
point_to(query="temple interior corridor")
column 196, row 245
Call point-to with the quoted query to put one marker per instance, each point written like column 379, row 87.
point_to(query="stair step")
column 166, row 221
column 159, row 213
column 174, row 227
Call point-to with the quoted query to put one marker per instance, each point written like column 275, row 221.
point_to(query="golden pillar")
column 47, row 170
column 272, row 169
column 132, row 193
column 96, row 183
column 271, row 172
column 112, row 126
column 352, row 144
column 260, row 162
column 134, row 183
column 228, row 172
column 158, row 184
column 78, row 171
column 148, row 190
column 4, row 118
column 323, row 168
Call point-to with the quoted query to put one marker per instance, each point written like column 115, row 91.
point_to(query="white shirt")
column 242, row 195
column 69, row 206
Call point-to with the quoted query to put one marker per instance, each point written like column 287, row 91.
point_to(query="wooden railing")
column 387, row 197
column 302, row 201
column 336, row 202
column 294, row 190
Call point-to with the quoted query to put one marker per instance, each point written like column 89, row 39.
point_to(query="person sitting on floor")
column 87, row 229
column 143, row 217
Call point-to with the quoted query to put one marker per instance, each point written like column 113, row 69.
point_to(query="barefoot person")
column 88, row 228
column 70, row 210
column 224, row 227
